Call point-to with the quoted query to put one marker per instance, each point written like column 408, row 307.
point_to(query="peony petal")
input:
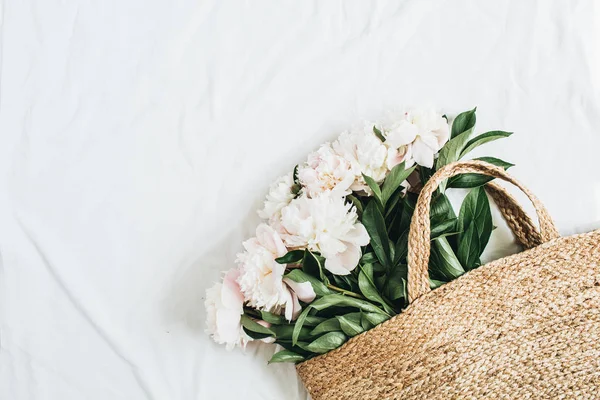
column 343, row 263
column 268, row 339
column 231, row 295
column 442, row 134
column 270, row 240
column 429, row 140
column 303, row 290
column 297, row 308
column 358, row 235
column 422, row 154
column 330, row 245
column 228, row 326
column 404, row 133
column 289, row 305
column 334, row 265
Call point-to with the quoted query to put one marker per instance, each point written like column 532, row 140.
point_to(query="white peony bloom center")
column 326, row 171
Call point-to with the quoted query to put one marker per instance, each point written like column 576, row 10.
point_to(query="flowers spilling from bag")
column 329, row 260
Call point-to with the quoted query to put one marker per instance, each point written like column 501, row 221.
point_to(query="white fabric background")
column 137, row 139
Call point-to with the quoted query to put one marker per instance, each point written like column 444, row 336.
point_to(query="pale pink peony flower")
column 261, row 278
column 326, row 171
column 280, row 194
column 366, row 154
column 224, row 307
column 328, row 225
column 420, row 133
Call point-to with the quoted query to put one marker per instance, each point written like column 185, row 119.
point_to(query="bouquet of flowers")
column 330, row 259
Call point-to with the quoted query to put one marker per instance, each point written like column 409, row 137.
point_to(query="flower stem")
column 345, row 292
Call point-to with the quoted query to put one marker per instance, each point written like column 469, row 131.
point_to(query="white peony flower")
column 420, row 134
column 365, row 152
column 224, row 307
column 326, row 171
column 325, row 224
column 280, row 195
column 261, row 277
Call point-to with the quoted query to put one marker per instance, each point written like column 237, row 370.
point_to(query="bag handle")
column 517, row 219
column 419, row 242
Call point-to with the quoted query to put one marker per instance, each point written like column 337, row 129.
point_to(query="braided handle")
column 517, row 219
column 419, row 245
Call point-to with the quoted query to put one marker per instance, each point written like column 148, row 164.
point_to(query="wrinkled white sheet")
column 137, row 139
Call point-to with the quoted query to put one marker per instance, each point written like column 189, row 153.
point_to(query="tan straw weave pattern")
column 522, row 327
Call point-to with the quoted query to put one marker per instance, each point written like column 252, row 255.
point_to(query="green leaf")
column 346, row 282
column 272, row 318
column 378, row 133
column 441, row 209
column 463, row 122
column 368, row 288
column 374, row 187
column 375, row 225
column 434, row 284
column 467, row 181
column 291, row 257
column 327, row 342
column 392, row 203
column 406, row 212
column 332, row 300
column 377, row 267
column 450, row 153
column 301, row 345
column 400, row 249
column 476, row 209
column 297, row 275
column 475, row 225
column 482, row 139
column 374, row 319
column 313, row 320
column 350, row 325
column 313, row 266
column 340, row 300
column 396, row 287
column 424, row 174
column 286, row 356
column 392, row 182
column 368, row 258
column 452, row 150
column 329, row 325
column 469, row 247
column 299, row 323
column 364, row 323
column 286, row 332
column 443, row 228
column 252, row 327
column 496, row 161
column 443, row 261
column 445, row 234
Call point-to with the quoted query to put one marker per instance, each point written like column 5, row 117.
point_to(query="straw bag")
column 522, row 327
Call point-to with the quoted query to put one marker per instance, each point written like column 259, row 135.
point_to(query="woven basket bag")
column 522, row 327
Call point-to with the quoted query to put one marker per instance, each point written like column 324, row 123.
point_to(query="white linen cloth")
column 137, row 139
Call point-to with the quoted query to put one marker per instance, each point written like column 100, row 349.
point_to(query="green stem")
column 345, row 292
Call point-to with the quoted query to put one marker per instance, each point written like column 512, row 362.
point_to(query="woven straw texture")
column 523, row 327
